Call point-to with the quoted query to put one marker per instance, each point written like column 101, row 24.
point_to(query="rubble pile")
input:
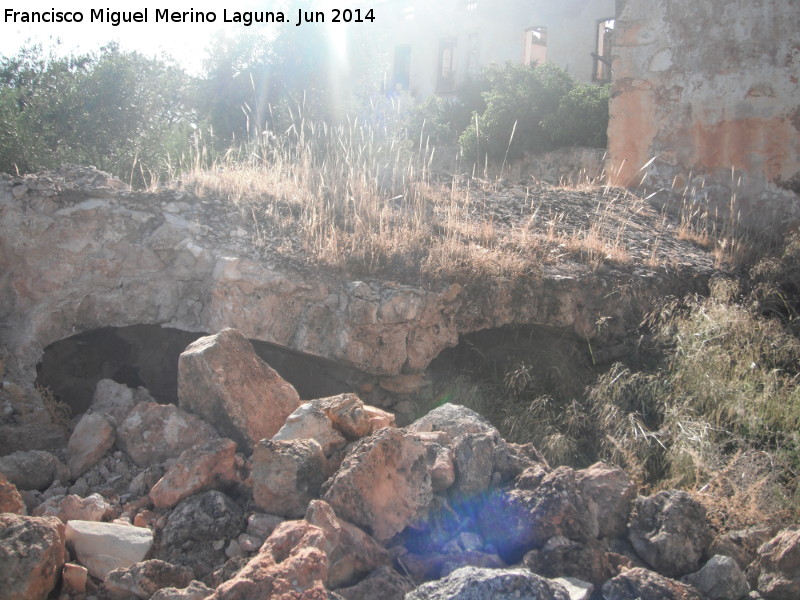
column 336, row 502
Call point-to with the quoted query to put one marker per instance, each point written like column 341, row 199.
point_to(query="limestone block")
column 103, row 547
column 221, row 378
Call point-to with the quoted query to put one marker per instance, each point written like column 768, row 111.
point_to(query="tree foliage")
column 111, row 109
column 133, row 116
column 534, row 109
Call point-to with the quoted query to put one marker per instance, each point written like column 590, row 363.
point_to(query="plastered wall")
column 708, row 90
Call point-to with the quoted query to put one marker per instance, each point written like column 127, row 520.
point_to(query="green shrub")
column 534, row 109
column 439, row 121
column 581, row 118
column 119, row 111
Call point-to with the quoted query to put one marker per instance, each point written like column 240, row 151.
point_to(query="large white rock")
column 103, row 547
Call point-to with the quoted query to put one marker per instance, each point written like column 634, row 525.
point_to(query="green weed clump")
column 533, row 109
column 721, row 414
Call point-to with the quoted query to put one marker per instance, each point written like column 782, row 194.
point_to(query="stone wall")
column 706, row 86
column 77, row 255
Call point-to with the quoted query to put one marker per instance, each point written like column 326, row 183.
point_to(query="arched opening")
column 147, row 355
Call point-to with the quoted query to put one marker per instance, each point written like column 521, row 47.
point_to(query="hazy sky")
column 186, row 42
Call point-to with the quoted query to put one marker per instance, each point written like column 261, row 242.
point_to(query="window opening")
column 446, row 81
column 473, row 56
column 535, row 51
column 602, row 54
column 401, row 79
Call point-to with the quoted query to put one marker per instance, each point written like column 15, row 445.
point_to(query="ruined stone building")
column 704, row 92
column 436, row 46
column 708, row 90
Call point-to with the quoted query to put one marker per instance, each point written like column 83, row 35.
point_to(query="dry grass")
column 749, row 490
column 58, row 411
column 356, row 198
column 721, row 229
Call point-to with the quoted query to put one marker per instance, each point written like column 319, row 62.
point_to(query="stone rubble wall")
column 78, row 253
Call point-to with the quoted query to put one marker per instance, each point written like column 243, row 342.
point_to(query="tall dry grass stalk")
column 361, row 198
column 356, row 197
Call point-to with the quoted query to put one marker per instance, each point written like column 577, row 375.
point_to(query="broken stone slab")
column 383, row 484
column 454, row 420
column 351, row 417
column 145, row 578
column 92, row 437
column 116, row 400
column 481, row 457
column 441, row 465
column 32, row 554
column 473, row 583
column 152, row 433
column 73, row 507
column 741, row 545
column 719, row 579
column 290, row 565
column 610, row 493
column 638, row 583
column 33, row 469
column 379, row 418
column 222, row 379
column 309, row 421
column 520, row 519
column 670, row 532
column 287, row 475
column 473, row 455
column 10, row 498
column 103, row 547
column 197, row 531
column 199, row 468
column 351, row 553
column 561, row 557
column 779, row 562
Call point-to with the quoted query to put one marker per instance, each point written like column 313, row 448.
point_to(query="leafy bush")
column 534, row 109
column 581, row 118
column 439, row 121
column 111, row 109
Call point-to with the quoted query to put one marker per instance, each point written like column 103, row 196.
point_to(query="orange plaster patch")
column 752, row 145
column 631, row 132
